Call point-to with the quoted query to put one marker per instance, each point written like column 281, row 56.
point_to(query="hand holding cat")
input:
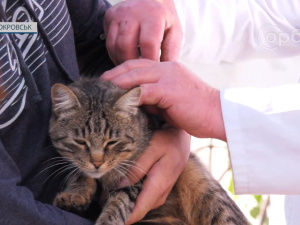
column 150, row 25
column 165, row 159
column 180, row 96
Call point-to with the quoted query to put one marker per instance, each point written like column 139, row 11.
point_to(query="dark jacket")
column 29, row 65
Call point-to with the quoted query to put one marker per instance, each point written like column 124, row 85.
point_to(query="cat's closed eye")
column 82, row 144
column 109, row 145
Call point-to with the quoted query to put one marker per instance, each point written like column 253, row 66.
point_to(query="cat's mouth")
column 97, row 173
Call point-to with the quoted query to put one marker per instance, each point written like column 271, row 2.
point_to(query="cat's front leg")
column 119, row 206
column 78, row 194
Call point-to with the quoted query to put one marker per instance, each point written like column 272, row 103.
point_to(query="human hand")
column 151, row 25
column 165, row 159
column 179, row 96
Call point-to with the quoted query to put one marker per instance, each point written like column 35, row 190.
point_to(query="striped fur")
column 101, row 131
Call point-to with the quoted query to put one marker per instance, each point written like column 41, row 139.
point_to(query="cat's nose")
column 97, row 164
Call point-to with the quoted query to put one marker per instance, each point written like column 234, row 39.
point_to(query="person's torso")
column 29, row 65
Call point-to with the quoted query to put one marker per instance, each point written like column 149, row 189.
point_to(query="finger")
column 111, row 37
column 126, row 67
column 135, row 78
column 146, row 202
column 151, row 37
column 171, row 45
column 162, row 199
column 108, row 18
column 155, row 189
column 110, row 14
column 127, row 41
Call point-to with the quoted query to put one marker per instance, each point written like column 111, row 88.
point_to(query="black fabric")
column 89, row 45
column 29, row 65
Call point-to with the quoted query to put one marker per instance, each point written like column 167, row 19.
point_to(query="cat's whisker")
column 60, row 171
column 146, row 173
column 48, row 147
column 50, row 166
column 119, row 171
column 59, row 159
column 71, row 174
column 81, row 164
column 63, row 171
column 56, row 171
column 53, row 159
column 136, row 166
column 127, row 171
column 123, row 174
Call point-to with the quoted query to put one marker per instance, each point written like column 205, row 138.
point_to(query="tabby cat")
column 101, row 131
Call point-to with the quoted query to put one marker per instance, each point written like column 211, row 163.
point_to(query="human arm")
column 230, row 31
column 262, row 128
column 18, row 205
column 150, row 25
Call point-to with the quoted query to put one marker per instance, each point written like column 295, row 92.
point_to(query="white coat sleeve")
column 263, row 132
column 235, row 30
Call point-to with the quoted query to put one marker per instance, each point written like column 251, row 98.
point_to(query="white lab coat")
column 262, row 124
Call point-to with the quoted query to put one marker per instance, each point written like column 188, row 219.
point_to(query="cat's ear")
column 63, row 98
column 129, row 102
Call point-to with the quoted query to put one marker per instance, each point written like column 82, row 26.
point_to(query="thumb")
column 153, row 94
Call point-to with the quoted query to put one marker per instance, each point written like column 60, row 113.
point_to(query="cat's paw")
column 119, row 206
column 109, row 220
column 115, row 212
column 71, row 201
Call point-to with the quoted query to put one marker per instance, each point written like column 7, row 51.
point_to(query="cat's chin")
column 95, row 174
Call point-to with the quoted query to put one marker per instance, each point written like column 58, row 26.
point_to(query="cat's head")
column 97, row 126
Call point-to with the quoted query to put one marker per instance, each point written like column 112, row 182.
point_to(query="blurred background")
column 260, row 210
